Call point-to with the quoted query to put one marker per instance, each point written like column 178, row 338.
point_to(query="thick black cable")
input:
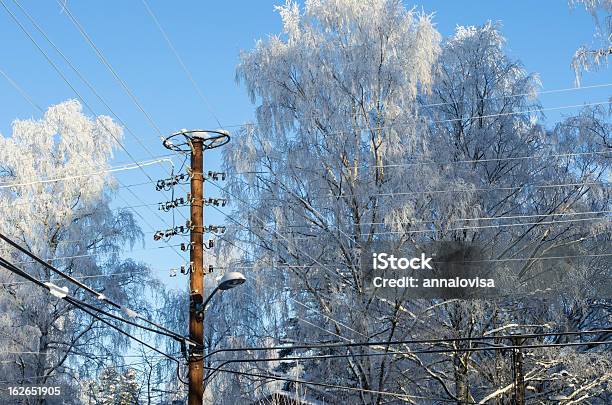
column 406, row 353
column 412, row 341
column 83, row 305
column 178, row 363
column 97, row 294
column 83, row 308
column 336, row 386
column 11, row 267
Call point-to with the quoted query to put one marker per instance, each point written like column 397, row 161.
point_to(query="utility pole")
column 195, row 142
column 196, row 276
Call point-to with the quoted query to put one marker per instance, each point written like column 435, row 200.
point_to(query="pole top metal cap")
column 181, row 141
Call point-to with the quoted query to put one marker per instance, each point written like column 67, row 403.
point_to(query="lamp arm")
column 209, row 298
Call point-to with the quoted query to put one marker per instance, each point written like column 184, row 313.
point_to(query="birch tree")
column 55, row 202
column 593, row 57
column 370, row 129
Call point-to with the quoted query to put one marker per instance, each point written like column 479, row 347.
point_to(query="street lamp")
column 229, row 280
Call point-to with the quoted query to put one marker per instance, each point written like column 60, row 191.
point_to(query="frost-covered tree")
column 588, row 57
column 55, row 200
column 113, row 387
column 337, row 101
column 485, row 119
column 370, row 129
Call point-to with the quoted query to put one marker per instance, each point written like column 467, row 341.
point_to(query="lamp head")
column 231, row 279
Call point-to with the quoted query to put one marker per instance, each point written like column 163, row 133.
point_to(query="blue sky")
column 209, row 36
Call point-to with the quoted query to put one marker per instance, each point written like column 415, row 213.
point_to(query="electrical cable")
column 23, row 93
column 98, row 295
column 99, row 254
column 406, row 353
column 560, row 90
column 110, row 170
column 410, row 341
column 466, row 228
column 246, row 227
column 314, row 383
column 263, row 224
column 116, row 76
column 63, row 295
column 74, row 89
column 273, row 265
column 87, row 105
column 80, row 304
column 452, row 162
column 181, row 62
column 456, row 190
column 335, row 386
column 65, row 79
column 473, row 219
column 450, row 120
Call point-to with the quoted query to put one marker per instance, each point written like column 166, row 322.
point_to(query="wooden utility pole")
column 196, row 276
column 195, row 142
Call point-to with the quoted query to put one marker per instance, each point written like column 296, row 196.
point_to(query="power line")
column 65, row 79
column 125, row 207
column 55, row 67
column 326, row 385
column 475, row 218
column 468, row 190
column 102, row 58
column 78, row 73
column 408, row 353
column 250, row 229
column 465, row 228
column 450, row 162
column 504, row 159
column 147, row 222
column 560, row 90
column 263, row 223
column 428, row 230
column 23, row 93
column 76, row 92
column 84, row 80
column 116, row 76
column 62, row 293
column 450, row 120
column 81, row 278
column 604, row 152
column 83, row 306
column 98, row 254
column 328, row 317
column 280, row 378
column 82, row 354
column 459, row 190
column 180, row 61
column 308, row 266
column 386, row 343
column 95, row 293
column 110, row 170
